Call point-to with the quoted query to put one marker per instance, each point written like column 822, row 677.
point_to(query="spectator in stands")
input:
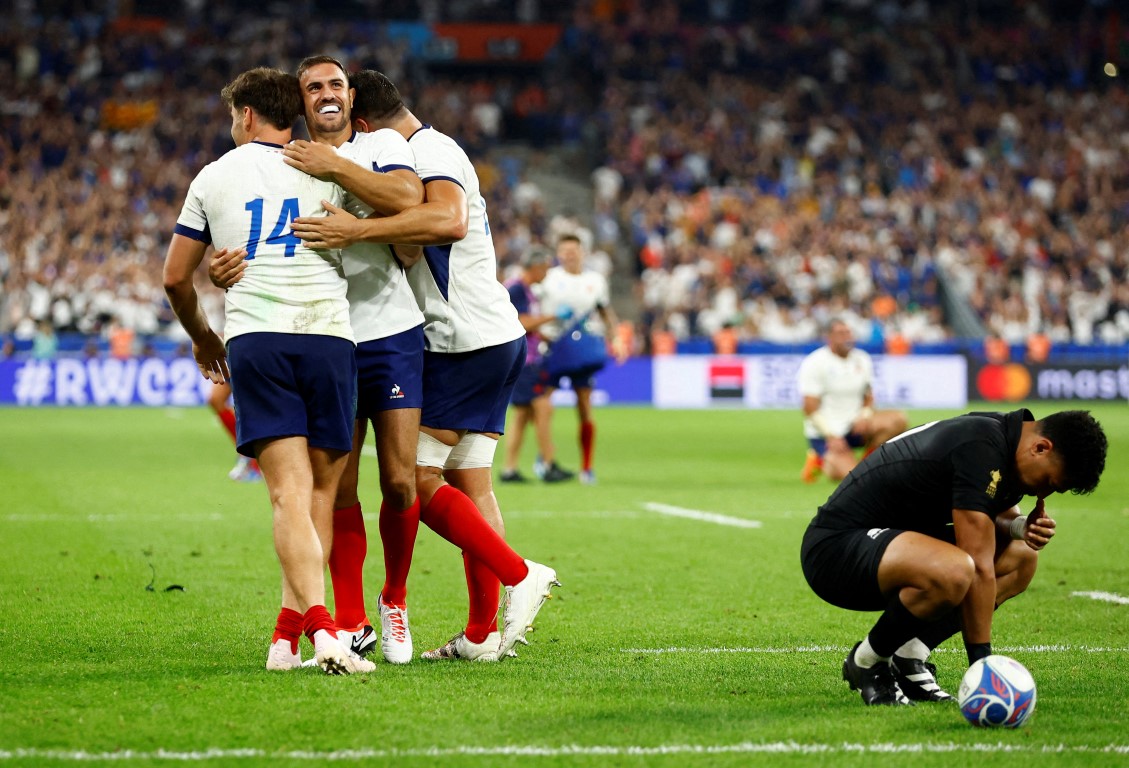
column 45, row 344
column 886, row 152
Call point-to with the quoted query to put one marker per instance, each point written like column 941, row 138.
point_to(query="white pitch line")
column 697, row 514
column 844, row 649
column 776, row 748
column 1107, row 597
column 108, row 518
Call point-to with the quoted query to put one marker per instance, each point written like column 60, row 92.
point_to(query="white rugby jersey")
column 840, row 383
column 246, row 199
column 381, row 302
column 464, row 306
column 582, row 293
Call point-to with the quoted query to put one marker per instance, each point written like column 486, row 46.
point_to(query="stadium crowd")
column 105, row 124
column 763, row 176
column 775, row 177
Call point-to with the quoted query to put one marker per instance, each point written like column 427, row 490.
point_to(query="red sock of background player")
column 288, row 626
column 398, row 528
column 346, row 567
column 482, row 589
column 452, row 515
column 587, row 443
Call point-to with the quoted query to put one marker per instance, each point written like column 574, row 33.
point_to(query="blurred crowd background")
column 934, row 172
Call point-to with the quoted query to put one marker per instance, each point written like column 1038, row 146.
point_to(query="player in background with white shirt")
column 530, row 402
column 569, row 286
column 475, row 350
column 289, row 345
column 836, row 383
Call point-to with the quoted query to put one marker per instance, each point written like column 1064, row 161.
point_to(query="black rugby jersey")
column 916, row 480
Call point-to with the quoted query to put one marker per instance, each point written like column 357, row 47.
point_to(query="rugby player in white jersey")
column 289, row 345
column 380, row 168
column 836, row 383
column 388, row 326
column 475, row 350
column 571, row 291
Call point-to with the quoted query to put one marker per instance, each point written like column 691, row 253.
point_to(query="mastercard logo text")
column 1004, row 382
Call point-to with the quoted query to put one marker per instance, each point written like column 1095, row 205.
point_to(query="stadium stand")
column 754, row 168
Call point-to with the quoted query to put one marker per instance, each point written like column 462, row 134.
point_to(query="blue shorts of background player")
column 534, row 382
column 583, row 379
column 819, row 444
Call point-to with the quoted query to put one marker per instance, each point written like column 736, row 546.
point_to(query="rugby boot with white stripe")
column 918, row 679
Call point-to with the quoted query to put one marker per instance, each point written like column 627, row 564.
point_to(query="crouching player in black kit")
column 928, row 530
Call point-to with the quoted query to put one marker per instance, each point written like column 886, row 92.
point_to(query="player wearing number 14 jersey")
column 289, row 344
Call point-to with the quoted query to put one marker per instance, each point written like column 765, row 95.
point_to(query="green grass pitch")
column 674, row 640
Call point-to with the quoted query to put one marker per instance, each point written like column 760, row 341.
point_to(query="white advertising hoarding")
column 769, row 381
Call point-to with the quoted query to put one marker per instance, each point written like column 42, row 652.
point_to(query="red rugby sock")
column 587, row 444
column 317, row 617
column 482, row 589
column 398, row 528
column 452, row 515
column 346, row 566
column 288, row 626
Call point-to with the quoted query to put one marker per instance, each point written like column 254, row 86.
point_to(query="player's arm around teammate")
column 441, row 219
column 387, row 193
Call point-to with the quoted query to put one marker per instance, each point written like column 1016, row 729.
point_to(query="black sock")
column 937, row 632
column 894, row 627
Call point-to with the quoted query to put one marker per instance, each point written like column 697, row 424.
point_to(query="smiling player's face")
column 327, row 98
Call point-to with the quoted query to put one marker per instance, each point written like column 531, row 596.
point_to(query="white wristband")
column 866, row 412
column 1018, row 528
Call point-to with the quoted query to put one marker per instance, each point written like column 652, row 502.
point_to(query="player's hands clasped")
column 1040, row 528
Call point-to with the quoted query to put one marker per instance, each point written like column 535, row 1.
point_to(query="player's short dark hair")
column 569, row 237
column 1079, row 440
column 272, row 93
column 377, row 98
column 313, row 61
